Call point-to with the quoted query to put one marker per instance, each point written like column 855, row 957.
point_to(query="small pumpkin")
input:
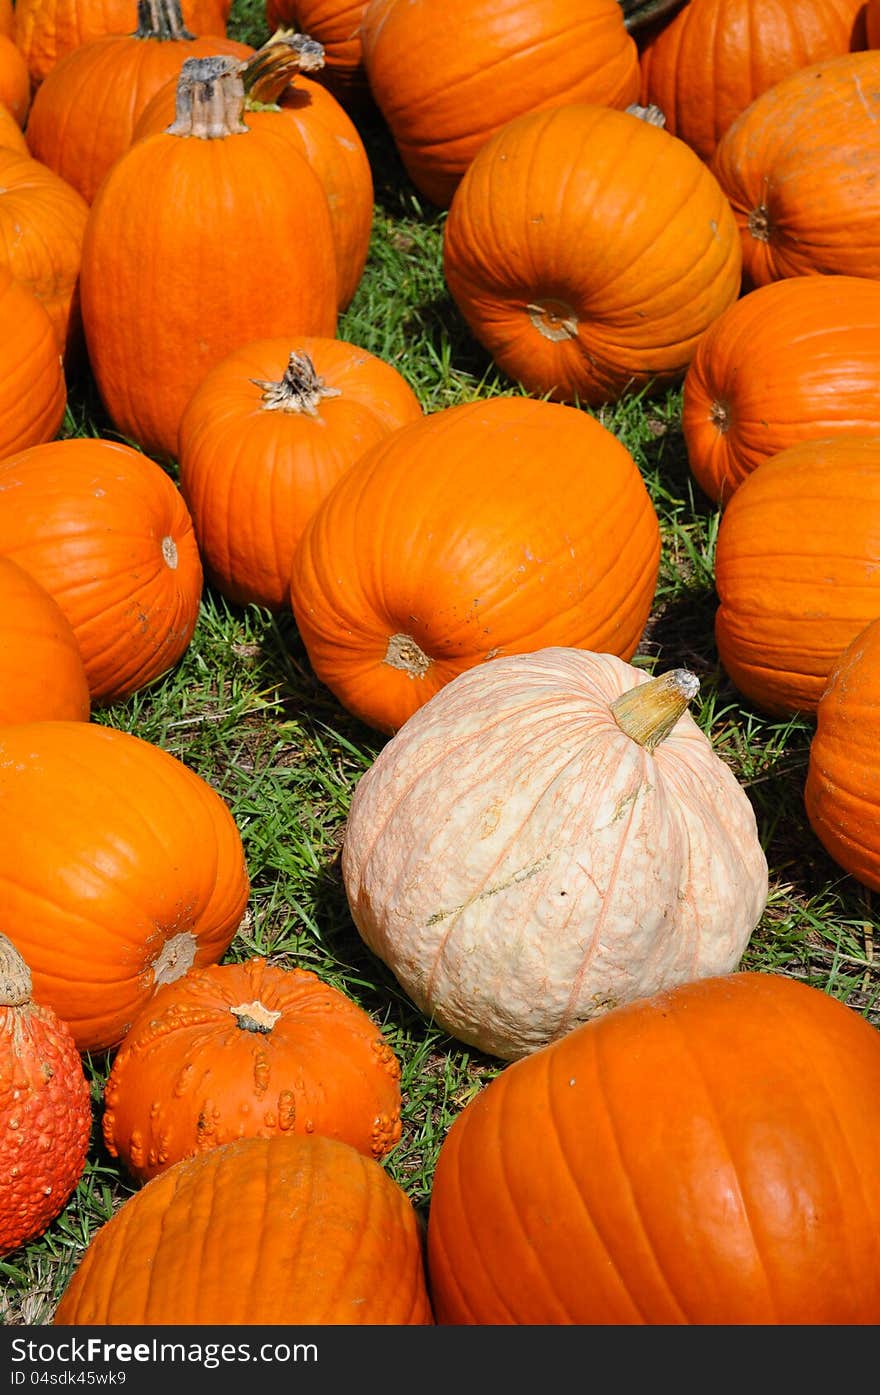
column 552, row 835
column 45, row 1108
column 33, row 389
column 704, row 1156
column 42, row 677
column 328, row 1236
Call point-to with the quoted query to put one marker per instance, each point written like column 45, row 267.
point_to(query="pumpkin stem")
column 274, row 66
column 637, row 14
column 255, row 1017
column 758, row 223
column 210, row 98
column 161, row 19
column 405, row 654
column 300, row 390
column 648, row 712
column 651, row 114
column 15, row 976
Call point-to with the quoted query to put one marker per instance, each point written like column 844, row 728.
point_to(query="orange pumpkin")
column 120, row 868
column 105, row 531
column 330, row 1237
column 248, row 1050
column 11, row 135
column 264, row 437
column 140, row 253
column 41, row 670
column 7, row 18
column 496, row 527
column 33, row 390
column 872, row 23
column 15, row 80
column 564, row 306
column 336, row 24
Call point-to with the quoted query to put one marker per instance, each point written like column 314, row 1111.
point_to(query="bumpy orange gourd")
column 33, row 390
column 134, row 860
column 794, row 360
column 15, row 80
column 796, row 569
column 264, row 437
column 42, row 677
column 842, row 789
column 45, row 1108
column 336, row 24
column 106, row 532
column 248, row 1050
column 565, row 305
column 328, row 1234
column 496, row 527
column 706, row 1156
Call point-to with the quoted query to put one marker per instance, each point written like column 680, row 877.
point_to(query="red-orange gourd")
column 264, row 437
column 706, row 1156
column 336, row 24
column 496, row 527
column 106, row 532
column 45, row 1108
column 33, row 390
column 329, row 1236
column 42, row 677
column 248, row 1050
column 120, row 868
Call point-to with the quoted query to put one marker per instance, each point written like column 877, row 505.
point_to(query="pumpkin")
column 106, row 532
column 7, row 18
column 33, row 390
column 11, row 135
column 45, row 1108
column 552, row 835
column 564, row 307
column 796, row 569
column 264, row 437
column 280, row 97
column 15, row 80
column 791, row 361
column 137, row 875
column 553, row 539
column 42, row 677
column 490, row 61
column 797, row 167
column 842, row 789
column 706, row 64
column 336, row 25
column 84, row 112
column 704, row 1156
column 328, row 1236
column 872, row 23
column 248, row 1050
column 213, row 286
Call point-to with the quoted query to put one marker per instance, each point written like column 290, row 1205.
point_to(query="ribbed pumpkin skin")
column 714, row 57
column 490, row 61
column 797, row 167
column 521, row 864
column 796, row 569
column 251, row 477
column 140, row 254
column 563, row 306
column 42, row 677
column 329, row 1236
column 496, row 527
column 842, row 789
column 792, row 361
column 192, row 1074
column 336, row 24
column 33, row 390
column 706, row 1156
column 120, row 868
column 106, row 532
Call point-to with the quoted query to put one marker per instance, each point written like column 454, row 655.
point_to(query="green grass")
column 244, row 709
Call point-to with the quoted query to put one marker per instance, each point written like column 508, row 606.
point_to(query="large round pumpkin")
column 42, row 676
column 327, row 1236
column 120, row 868
column 495, row 527
column 550, row 836
column 705, row 1156
column 588, row 250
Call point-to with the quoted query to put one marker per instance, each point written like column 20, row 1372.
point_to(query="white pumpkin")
column 522, row 864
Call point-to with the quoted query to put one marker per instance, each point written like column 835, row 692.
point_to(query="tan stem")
column 651, row 114
column 15, row 976
column 274, row 66
column 210, row 99
column 300, row 390
column 255, row 1017
column 161, row 19
column 648, row 712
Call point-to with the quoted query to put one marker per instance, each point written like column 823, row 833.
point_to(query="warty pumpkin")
column 106, row 532
column 45, row 1108
column 33, row 389
column 565, row 307
column 330, row 1236
column 552, row 835
column 140, row 253
column 248, row 1050
column 42, row 677
column 791, row 361
column 495, row 527
column 120, row 868
column 796, row 569
column 704, row 1156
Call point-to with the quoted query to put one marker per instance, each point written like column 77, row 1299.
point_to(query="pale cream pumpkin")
column 550, row 836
